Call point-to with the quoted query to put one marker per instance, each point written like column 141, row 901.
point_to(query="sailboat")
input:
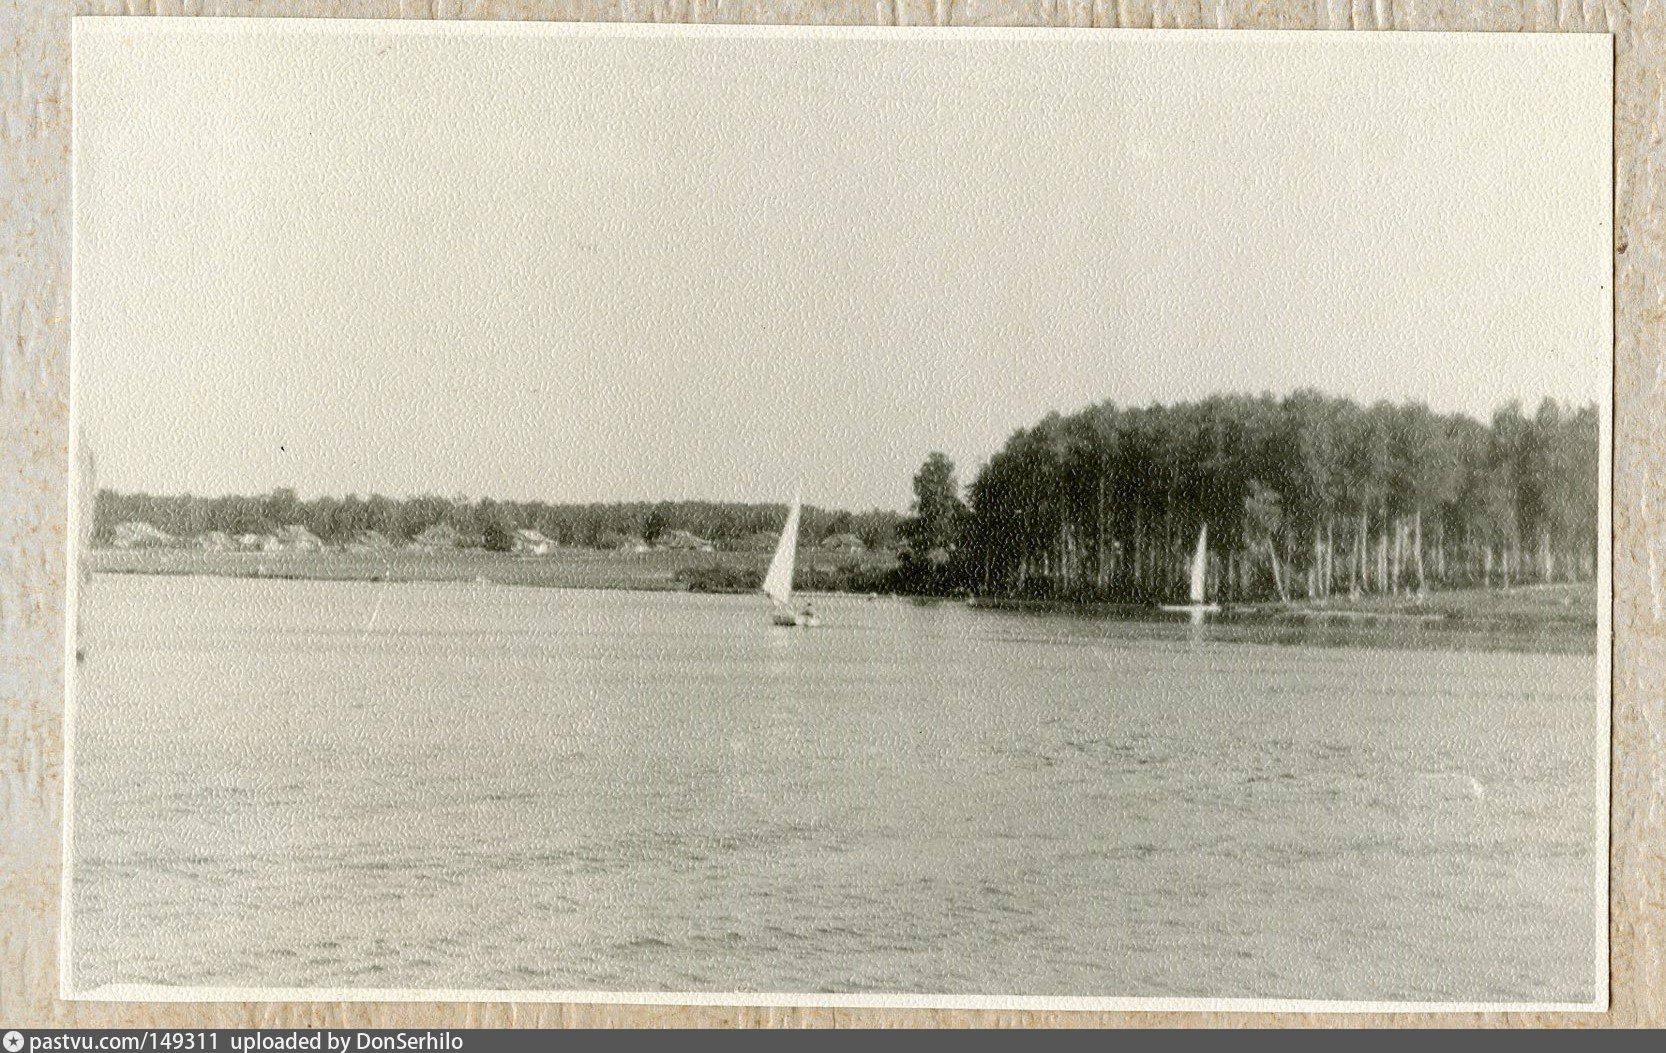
column 1200, row 568
column 778, row 582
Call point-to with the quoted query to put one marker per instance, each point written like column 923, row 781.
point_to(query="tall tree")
column 933, row 531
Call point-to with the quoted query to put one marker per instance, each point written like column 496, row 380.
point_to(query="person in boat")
column 809, row 611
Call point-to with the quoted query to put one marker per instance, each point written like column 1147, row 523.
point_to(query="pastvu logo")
column 13, row 1041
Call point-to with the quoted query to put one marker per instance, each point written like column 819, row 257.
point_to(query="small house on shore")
column 369, row 541
column 843, row 543
column 440, row 535
column 623, row 543
column 215, row 541
column 135, row 534
column 296, row 538
column 531, row 543
column 683, row 541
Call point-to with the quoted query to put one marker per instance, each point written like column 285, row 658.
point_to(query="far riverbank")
column 1558, row 617
column 572, row 568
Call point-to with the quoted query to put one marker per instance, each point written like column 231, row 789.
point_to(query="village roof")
column 437, row 532
column 136, row 532
column 682, row 539
column 295, row 533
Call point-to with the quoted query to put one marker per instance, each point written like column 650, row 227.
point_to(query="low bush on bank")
column 851, row 576
column 720, row 577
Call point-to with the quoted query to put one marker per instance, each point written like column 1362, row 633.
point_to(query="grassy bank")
column 1560, row 616
column 1556, row 617
column 1573, row 604
column 574, row 568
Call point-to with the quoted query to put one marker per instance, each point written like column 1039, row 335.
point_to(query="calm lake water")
column 285, row 783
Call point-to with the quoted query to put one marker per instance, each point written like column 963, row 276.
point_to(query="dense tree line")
column 485, row 522
column 1305, row 496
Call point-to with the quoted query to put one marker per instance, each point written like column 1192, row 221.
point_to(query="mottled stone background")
column 34, row 387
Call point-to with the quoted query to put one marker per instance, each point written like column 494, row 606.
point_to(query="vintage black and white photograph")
column 839, row 516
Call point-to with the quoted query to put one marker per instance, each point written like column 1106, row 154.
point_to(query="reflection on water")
column 462, row 786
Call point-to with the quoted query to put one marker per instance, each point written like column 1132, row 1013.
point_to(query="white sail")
column 778, row 583
column 1200, row 564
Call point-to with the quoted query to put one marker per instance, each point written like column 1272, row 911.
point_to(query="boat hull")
column 1194, row 611
column 798, row 621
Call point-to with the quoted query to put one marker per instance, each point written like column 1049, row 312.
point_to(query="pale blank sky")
column 596, row 263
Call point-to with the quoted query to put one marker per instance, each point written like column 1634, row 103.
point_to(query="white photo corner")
column 829, row 516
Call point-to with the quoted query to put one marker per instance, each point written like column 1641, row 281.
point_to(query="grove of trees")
column 1305, row 496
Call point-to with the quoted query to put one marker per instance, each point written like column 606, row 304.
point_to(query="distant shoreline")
column 652, row 570
column 1556, row 617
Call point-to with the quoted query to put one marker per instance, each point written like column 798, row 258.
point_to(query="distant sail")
column 778, row 583
column 1200, row 564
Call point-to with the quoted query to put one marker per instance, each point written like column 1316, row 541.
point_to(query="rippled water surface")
column 284, row 783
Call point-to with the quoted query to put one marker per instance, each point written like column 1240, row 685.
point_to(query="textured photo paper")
column 964, row 518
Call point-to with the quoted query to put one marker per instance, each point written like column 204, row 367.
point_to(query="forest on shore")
column 1305, row 497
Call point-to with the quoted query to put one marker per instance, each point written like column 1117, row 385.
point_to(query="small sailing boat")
column 778, row 582
column 1200, row 569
